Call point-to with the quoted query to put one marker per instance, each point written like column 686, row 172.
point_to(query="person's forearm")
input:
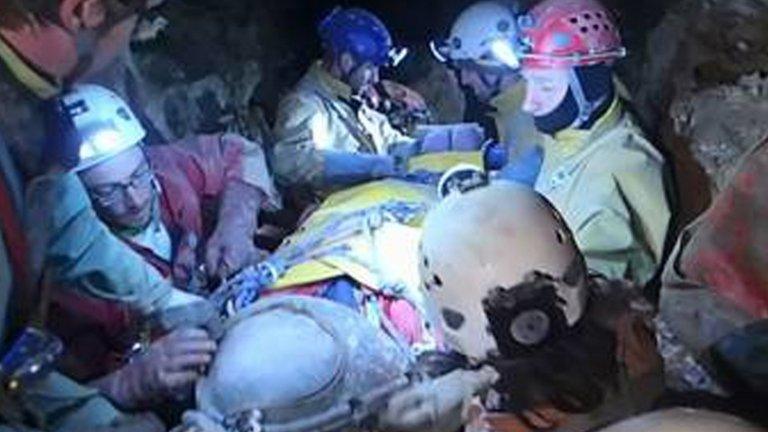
column 345, row 169
column 239, row 209
column 120, row 388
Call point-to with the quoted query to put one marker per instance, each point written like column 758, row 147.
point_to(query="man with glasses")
column 154, row 199
column 46, row 45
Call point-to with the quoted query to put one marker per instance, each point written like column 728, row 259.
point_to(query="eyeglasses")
column 109, row 193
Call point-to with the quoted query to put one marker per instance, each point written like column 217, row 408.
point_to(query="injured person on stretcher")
column 375, row 310
column 341, row 306
column 360, row 248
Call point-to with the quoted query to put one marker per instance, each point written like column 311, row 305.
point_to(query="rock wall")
column 723, row 123
column 215, row 65
column 689, row 83
column 701, row 44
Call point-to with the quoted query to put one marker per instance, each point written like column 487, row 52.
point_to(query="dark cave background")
column 696, row 71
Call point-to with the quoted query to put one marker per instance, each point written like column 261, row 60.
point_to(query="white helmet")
column 104, row 124
column 304, row 364
column 486, row 34
column 683, row 420
column 494, row 237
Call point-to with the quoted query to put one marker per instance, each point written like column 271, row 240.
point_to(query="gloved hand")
column 185, row 261
column 230, row 250
column 495, row 155
column 439, row 405
column 402, row 153
column 200, row 314
column 525, row 168
column 170, row 367
column 231, row 246
column 450, row 137
column 347, row 169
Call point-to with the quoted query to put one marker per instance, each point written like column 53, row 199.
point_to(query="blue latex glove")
column 346, row 169
column 342, row 290
column 495, row 156
column 405, row 150
column 525, row 169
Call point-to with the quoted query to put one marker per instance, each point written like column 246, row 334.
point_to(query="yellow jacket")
column 317, row 117
column 515, row 128
column 607, row 182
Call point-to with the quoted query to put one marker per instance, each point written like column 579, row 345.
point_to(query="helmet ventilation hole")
column 453, row 319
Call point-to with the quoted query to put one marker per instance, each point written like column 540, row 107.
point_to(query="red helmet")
column 565, row 33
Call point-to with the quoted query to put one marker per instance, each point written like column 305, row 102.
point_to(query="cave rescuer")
column 153, row 199
column 327, row 138
column 481, row 50
column 44, row 45
column 599, row 171
column 571, row 352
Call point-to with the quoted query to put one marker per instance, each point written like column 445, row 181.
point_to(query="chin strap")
column 494, row 84
column 586, row 108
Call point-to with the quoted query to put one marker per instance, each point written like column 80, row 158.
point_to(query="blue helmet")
column 360, row 33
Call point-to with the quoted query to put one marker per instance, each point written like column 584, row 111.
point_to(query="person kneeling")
column 154, row 200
